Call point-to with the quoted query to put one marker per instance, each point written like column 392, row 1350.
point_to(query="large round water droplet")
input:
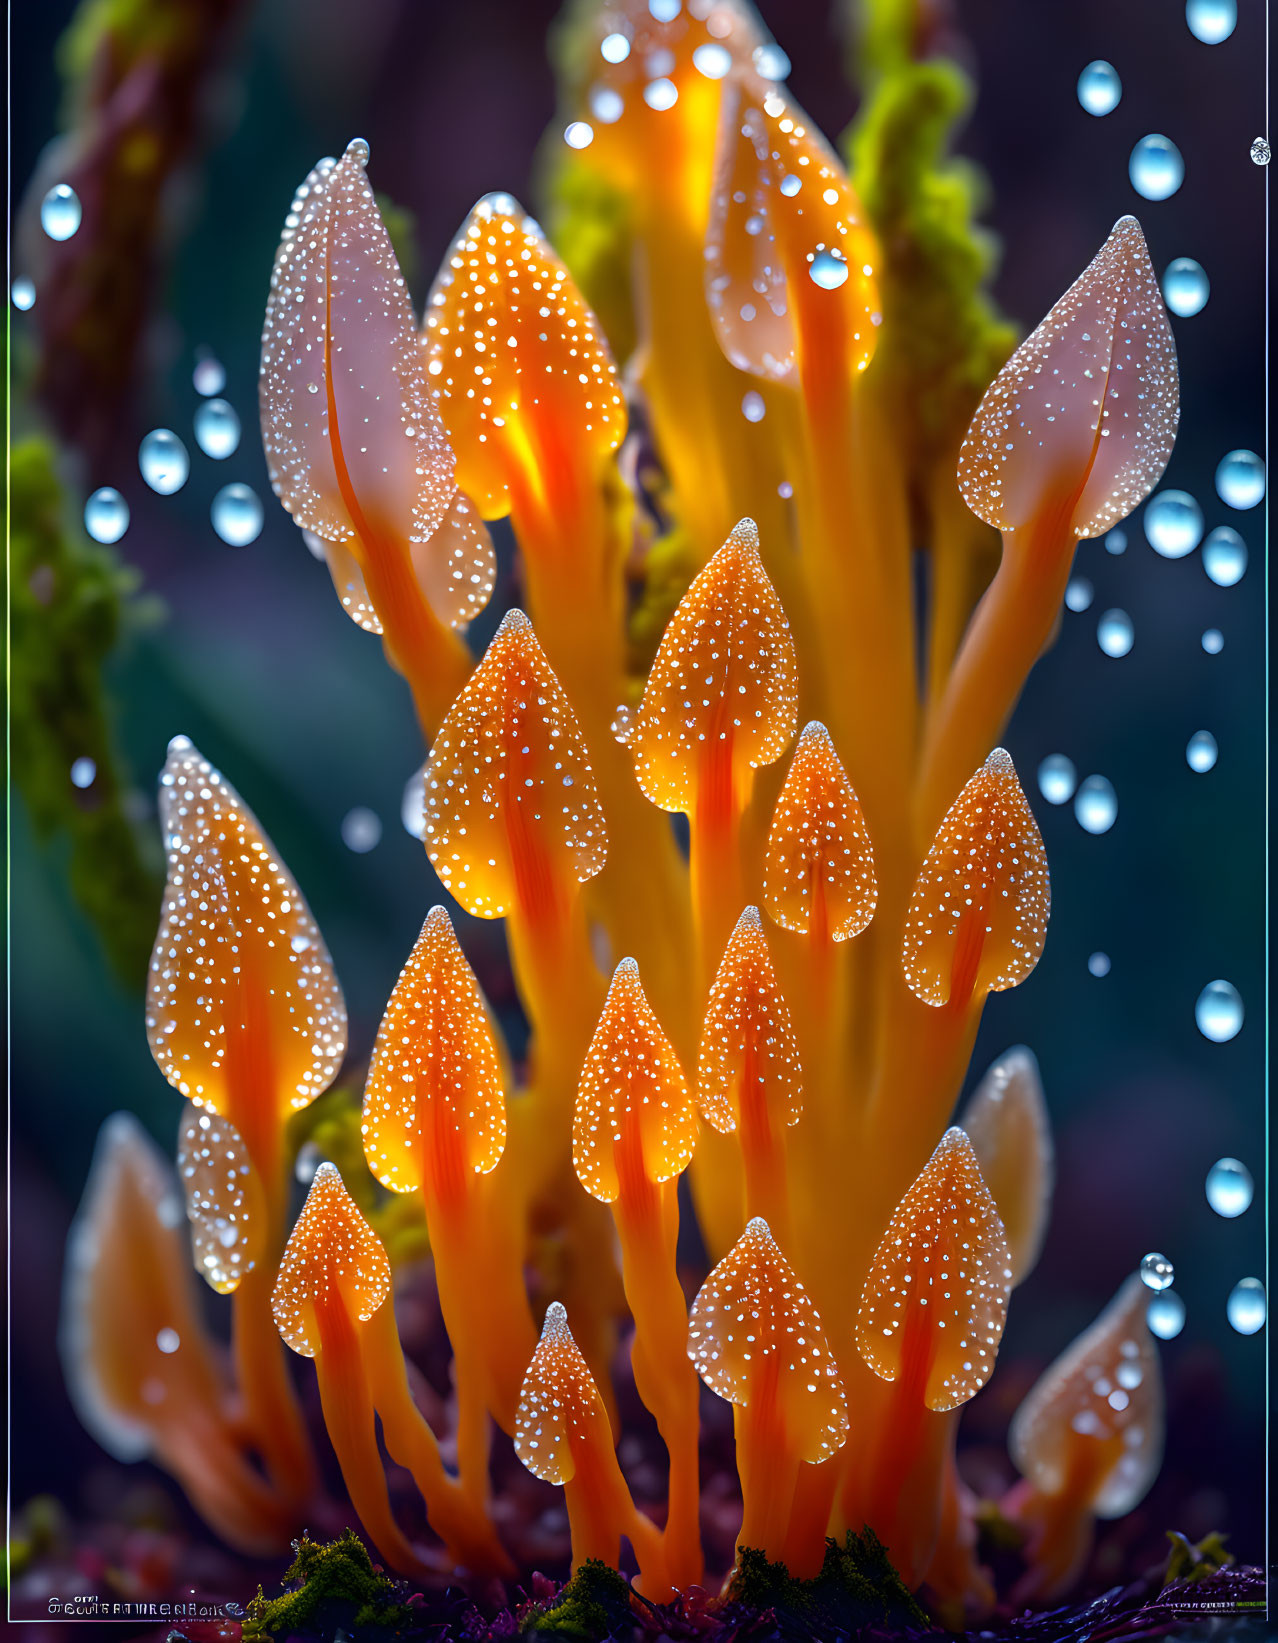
column 1165, row 1315
column 614, row 48
column 661, row 94
column 412, row 807
column 578, row 134
column 753, row 408
column 217, row 429
column 1098, row 964
column 1156, row 168
column 1116, row 540
column 712, row 60
column 1200, row 754
column 163, row 461
column 22, row 293
column 1078, row 593
column 664, row 11
column 770, row 61
column 1211, row 21
column 828, row 271
column 1219, row 1012
column 1057, row 779
column 361, row 829
column 106, row 515
column 237, row 515
column 606, row 105
column 1225, row 556
column 1246, row 1308
column 1156, row 1271
column 1240, row 479
column 1114, row 632
column 1173, row 524
column 1229, row 1187
column 83, row 772
column 60, row 212
column 1213, row 641
column 1099, row 87
column 1096, row 805
column 1185, row 287
column 209, row 375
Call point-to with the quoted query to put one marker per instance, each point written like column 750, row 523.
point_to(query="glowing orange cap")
column 332, row 1255
column 1007, row 1124
column 725, row 678
column 748, row 1050
column 942, row 1268
column 978, row 913
column 510, row 780
column 239, row 968
column 1084, row 413
column 560, row 1409
column 632, row 1089
column 819, row 850
column 223, row 1199
column 434, row 1083
column 754, row 1333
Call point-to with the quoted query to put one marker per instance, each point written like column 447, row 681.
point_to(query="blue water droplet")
column 1213, row 641
column 1225, row 556
column 22, row 293
column 1057, row 779
column 1099, row 87
column 753, row 408
column 1173, row 523
column 790, row 185
column 1229, row 1187
column 1185, row 287
column 217, row 428
column 1156, row 168
column 578, row 134
column 770, row 61
column 1246, row 1307
column 361, row 830
column 163, row 460
column 661, row 94
column 1211, row 21
column 1156, row 1271
column 606, row 105
column 664, row 11
column 1165, row 1315
column 237, row 515
column 614, row 48
column 1098, row 964
column 1200, row 754
column 828, row 271
column 1219, row 1012
column 1116, row 540
column 83, row 772
column 106, row 515
column 60, row 212
column 1114, row 632
column 1240, row 479
column 712, row 60
column 1096, row 805
column 209, row 375
column 1078, row 593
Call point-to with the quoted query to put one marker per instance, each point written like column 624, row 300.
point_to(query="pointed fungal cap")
column 130, row 1338
column 819, row 864
column 354, row 444
column 239, row 965
column 1084, row 413
column 332, row 1257
column 978, row 913
column 515, row 356
column 558, row 1403
column 509, row 769
column 1007, row 1123
column 748, row 1048
column 632, row 1092
column 942, row 1269
column 753, row 1328
column 1098, row 1411
column 782, row 212
column 725, row 678
column 224, row 1202
column 434, row 1079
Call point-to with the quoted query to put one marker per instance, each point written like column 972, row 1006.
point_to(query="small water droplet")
column 1229, row 1187
column 1156, row 167
column 770, row 61
column 361, row 830
column 1114, row 633
column 1260, row 152
column 606, row 105
column 412, row 807
column 1099, row 87
column 1246, row 1307
column 712, row 60
column 753, row 408
column 828, row 271
column 661, row 94
column 60, row 212
column 1213, row 641
column 168, row 1340
column 1116, row 540
column 217, row 429
column 1225, row 556
column 83, row 772
column 1211, row 21
column 1200, row 754
column 1173, row 524
column 1096, row 804
column 22, row 293
column 623, row 724
column 1156, row 1271
column 614, row 48
column 664, row 11
column 1219, row 1012
column 309, row 1158
column 1078, row 594
column 1240, row 479
column 209, row 375
column 1185, row 287
column 237, row 515
column 578, row 134
column 1098, row 964
column 790, row 185
column 1057, row 779
column 163, row 461
column 1165, row 1315
column 106, row 515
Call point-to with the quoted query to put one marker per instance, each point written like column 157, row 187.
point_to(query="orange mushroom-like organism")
column 634, row 1131
column 930, row 1322
column 354, row 443
column 757, row 1340
column 140, row 1367
column 331, row 1303
column 1087, row 1440
column 1006, row 1121
column 1073, row 433
column 562, row 1436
